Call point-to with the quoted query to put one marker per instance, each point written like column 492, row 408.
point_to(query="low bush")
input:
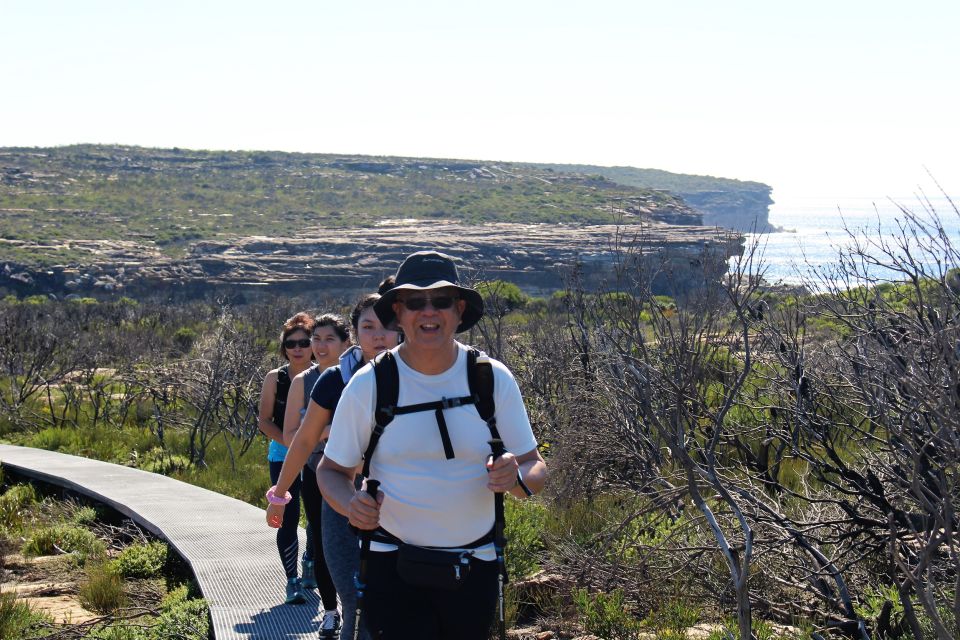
column 17, row 618
column 13, row 504
column 606, row 615
column 121, row 631
column 182, row 617
column 83, row 515
column 673, row 620
column 102, row 591
column 141, row 560
column 64, row 539
column 524, row 532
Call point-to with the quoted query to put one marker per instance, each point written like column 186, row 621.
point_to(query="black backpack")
column 479, row 378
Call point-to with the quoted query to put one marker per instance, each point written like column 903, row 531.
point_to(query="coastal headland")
column 108, row 220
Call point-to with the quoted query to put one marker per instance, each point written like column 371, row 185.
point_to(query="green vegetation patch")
column 141, row 560
column 64, row 538
column 102, row 591
column 18, row 619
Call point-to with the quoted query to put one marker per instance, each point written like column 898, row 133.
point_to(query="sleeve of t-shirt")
column 326, row 392
column 512, row 419
column 353, row 420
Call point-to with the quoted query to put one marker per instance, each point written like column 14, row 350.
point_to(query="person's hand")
column 502, row 473
column 275, row 515
column 364, row 510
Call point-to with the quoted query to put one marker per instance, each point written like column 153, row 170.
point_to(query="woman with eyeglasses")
column 339, row 542
column 295, row 349
column 330, row 338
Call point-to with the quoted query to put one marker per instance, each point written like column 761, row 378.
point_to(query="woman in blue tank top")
column 295, row 349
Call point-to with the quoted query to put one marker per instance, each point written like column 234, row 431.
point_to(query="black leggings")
column 394, row 610
column 313, row 503
column 287, row 543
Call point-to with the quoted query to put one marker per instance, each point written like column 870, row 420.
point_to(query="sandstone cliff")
column 536, row 257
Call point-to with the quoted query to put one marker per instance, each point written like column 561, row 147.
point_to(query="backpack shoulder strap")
column 388, row 392
column 480, row 379
column 283, row 380
column 280, row 397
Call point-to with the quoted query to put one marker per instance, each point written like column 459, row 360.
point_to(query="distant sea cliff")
column 723, row 202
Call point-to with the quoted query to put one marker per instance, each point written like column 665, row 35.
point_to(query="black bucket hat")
column 429, row 270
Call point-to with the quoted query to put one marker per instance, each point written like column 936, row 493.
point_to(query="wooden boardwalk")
column 227, row 543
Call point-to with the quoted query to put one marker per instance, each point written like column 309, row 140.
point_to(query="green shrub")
column 120, row 631
column 141, row 560
column 524, row 527
column 17, row 617
column 606, row 615
column 84, row 515
column 158, row 460
column 102, row 591
column 672, row 621
column 55, row 439
column 182, row 617
column 64, row 539
column 13, row 503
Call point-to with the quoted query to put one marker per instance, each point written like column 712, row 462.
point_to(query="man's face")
column 429, row 318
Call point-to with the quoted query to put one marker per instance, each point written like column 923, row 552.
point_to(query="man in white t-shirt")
column 437, row 477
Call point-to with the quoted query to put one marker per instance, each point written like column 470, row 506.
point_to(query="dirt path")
column 48, row 583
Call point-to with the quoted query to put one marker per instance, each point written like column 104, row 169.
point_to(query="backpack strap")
column 479, row 379
column 280, row 397
column 388, row 391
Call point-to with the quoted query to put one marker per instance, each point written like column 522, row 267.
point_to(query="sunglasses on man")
column 290, row 343
column 417, row 303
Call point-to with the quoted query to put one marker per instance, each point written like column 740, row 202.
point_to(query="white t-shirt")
column 428, row 500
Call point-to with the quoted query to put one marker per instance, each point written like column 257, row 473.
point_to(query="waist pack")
column 433, row 568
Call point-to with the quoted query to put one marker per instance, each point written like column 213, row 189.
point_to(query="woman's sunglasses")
column 420, row 302
column 290, row 343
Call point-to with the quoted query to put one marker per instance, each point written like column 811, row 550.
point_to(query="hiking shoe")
column 309, row 580
column 330, row 627
column 295, row 592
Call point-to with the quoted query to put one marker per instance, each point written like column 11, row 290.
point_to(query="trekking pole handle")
column 496, row 445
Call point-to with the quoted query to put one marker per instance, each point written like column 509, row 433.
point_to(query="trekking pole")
column 499, row 540
column 359, row 579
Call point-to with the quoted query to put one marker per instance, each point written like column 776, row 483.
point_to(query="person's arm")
column 306, row 438
column 503, row 473
column 268, row 395
column 291, row 416
column 336, row 485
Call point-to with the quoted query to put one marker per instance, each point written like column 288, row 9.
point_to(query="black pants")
column 313, row 503
column 287, row 542
column 394, row 610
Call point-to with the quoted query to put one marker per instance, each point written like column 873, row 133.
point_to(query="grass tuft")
column 102, row 591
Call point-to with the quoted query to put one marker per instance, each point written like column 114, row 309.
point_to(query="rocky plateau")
column 536, row 257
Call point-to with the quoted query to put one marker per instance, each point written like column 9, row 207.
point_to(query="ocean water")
column 818, row 229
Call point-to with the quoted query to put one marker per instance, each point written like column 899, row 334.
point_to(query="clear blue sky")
column 836, row 98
